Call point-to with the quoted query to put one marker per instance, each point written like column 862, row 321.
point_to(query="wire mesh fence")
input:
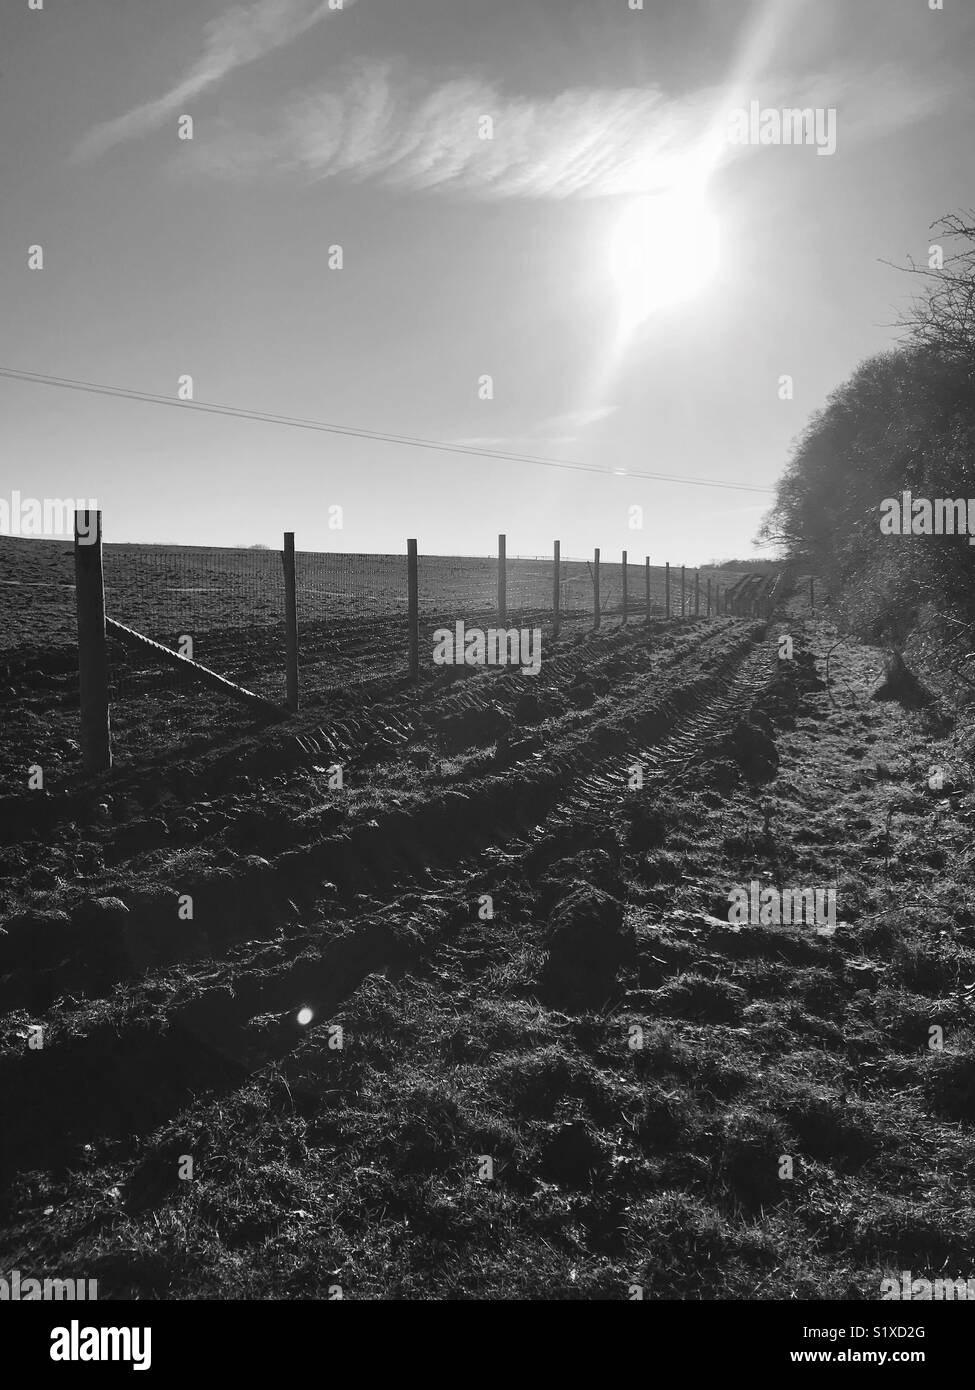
column 37, row 594
column 362, row 624
column 225, row 608
column 221, row 607
column 359, row 637
column 352, row 619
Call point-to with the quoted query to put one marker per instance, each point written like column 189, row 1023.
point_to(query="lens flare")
column 664, row 250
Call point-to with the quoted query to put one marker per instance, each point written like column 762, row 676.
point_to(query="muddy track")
column 239, row 898
column 239, row 895
column 361, row 730
column 211, row 1036
column 600, row 803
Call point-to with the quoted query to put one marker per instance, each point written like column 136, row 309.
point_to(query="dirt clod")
column 588, row 942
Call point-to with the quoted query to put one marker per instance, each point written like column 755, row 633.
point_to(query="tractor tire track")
column 184, row 1040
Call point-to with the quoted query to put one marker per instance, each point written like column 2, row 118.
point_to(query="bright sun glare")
column 664, row 250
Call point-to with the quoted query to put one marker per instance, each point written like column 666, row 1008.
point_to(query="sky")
column 544, row 193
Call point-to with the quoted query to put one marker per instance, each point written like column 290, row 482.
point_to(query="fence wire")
column 225, row 607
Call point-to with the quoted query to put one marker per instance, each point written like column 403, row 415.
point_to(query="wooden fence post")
column 290, row 618
column 624, row 589
column 502, row 582
column 647, row 586
column 697, row 593
column 556, row 590
column 667, row 588
column 96, row 724
column 709, row 596
column 595, row 588
column 683, row 593
column 413, row 613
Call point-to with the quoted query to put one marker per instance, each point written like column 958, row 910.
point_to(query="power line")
column 296, row 422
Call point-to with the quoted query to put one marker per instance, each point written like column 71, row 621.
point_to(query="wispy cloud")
column 575, row 420
column 239, row 35
column 557, row 432
column 381, row 123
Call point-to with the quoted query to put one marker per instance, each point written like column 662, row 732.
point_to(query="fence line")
column 459, row 587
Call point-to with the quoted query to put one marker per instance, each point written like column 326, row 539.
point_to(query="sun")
column 664, row 250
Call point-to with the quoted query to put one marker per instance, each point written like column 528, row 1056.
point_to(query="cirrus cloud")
column 239, row 35
column 383, row 123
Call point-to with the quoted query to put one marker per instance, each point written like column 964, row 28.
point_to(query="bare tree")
column 942, row 316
